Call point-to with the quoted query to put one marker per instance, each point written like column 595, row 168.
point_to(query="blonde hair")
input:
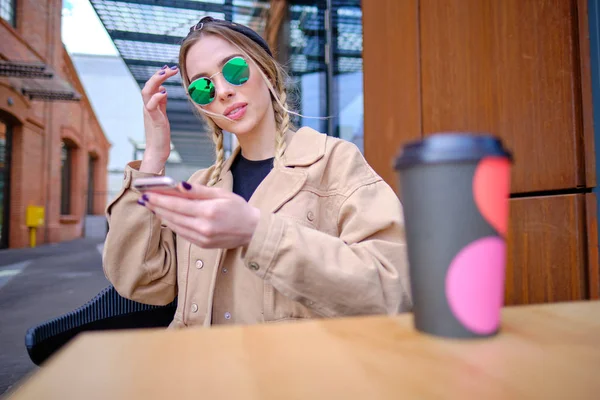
column 273, row 74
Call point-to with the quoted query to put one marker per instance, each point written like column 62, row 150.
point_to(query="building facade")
column 53, row 152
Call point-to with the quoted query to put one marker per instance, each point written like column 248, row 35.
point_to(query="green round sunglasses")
column 235, row 71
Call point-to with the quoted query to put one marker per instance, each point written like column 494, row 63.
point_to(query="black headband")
column 244, row 30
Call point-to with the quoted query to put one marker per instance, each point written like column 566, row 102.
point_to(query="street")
column 37, row 285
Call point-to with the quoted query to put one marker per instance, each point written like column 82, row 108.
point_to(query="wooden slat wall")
column 506, row 67
column 517, row 69
column 546, row 250
column 392, row 87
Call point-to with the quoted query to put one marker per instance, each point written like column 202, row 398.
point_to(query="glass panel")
column 4, row 182
column 7, row 11
column 347, row 22
column 307, row 67
column 164, row 53
column 307, row 45
column 65, row 172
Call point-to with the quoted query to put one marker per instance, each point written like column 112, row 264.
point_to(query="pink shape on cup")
column 475, row 284
column 491, row 187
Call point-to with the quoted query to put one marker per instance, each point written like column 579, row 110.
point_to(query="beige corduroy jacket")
column 330, row 242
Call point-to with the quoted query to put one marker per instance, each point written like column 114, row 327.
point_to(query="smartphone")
column 158, row 184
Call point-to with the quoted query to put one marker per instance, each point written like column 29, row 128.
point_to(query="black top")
column 248, row 174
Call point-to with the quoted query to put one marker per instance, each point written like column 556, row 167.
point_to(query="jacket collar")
column 304, row 147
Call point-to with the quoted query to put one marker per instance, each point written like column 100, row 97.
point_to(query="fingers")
column 177, row 219
column 156, row 99
column 184, row 232
column 182, row 206
column 188, row 207
column 202, row 192
column 154, row 83
column 193, row 229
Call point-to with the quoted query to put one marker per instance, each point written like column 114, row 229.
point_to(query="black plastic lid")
column 451, row 147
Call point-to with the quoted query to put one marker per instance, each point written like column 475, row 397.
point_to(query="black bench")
column 106, row 311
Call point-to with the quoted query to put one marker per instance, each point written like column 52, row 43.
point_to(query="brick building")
column 53, row 152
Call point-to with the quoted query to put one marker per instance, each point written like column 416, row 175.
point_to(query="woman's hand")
column 156, row 123
column 208, row 217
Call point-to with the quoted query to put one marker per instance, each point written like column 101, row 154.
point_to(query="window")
column 66, row 157
column 8, row 11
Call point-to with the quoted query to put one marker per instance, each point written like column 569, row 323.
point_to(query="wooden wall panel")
column 547, row 246
column 511, row 68
column 587, row 106
column 518, row 69
column 391, row 81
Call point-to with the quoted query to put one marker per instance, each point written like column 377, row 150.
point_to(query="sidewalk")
column 11, row 256
column 39, row 284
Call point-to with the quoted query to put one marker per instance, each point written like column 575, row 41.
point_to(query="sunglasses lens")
column 236, row 71
column 202, row 91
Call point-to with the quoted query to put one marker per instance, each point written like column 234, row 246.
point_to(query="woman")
column 293, row 225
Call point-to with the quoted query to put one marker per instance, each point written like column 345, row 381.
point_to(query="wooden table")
column 543, row 352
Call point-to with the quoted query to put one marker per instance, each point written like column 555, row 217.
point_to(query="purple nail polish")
column 174, row 67
column 163, row 91
column 145, row 197
column 186, row 185
column 141, row 203
column 161, row 73
column 165, row 66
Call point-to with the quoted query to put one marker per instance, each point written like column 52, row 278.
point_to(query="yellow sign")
column 35, row 216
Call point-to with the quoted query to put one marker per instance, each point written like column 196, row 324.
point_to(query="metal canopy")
column 147, row 34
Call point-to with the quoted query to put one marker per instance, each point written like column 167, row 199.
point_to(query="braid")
column 282, row 120
column 217, row 137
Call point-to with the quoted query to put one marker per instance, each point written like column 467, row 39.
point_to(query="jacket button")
column 310, row 216
column 194, row 307
column 224, row 270
column 199, row 264
column 253, row 266
column 227, row 315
